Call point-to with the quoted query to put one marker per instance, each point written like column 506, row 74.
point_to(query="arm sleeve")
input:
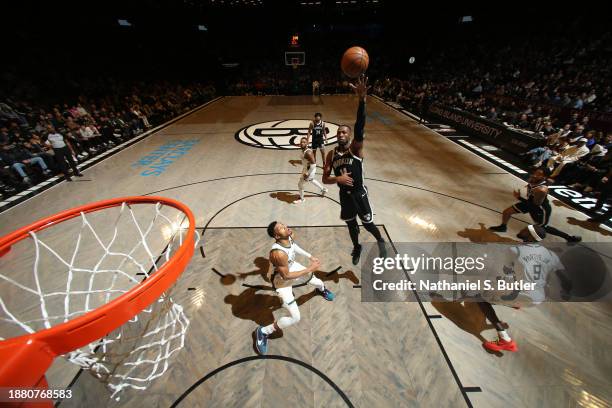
column 300, row 251
column 360, row 123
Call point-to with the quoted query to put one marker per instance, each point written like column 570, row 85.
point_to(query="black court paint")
column 216, row 371
column 243, row 198
column 434, row 332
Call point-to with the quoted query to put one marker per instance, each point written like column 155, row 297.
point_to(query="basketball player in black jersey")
column 537, row 205
column 319, row 136
column 346, row 161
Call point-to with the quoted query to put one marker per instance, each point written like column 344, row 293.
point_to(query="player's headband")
column 534, row 233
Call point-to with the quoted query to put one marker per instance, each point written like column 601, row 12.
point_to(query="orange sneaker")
column 501, row 345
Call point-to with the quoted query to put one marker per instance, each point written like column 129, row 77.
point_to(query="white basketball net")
column 138, row 351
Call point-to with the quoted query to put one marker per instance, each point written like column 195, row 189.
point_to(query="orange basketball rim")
column 25, row 359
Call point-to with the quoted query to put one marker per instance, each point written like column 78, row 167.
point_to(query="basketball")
column 355, row 62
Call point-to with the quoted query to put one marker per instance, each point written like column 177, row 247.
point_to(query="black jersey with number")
column 530, row 188
column 318, row 129
column 352, row 164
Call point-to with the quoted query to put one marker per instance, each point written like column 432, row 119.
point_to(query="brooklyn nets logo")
column 281, row 134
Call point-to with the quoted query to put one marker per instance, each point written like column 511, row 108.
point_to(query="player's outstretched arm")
column 361, row 89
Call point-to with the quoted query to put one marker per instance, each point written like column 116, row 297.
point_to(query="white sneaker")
column 85, row 154
column 300, row 201
column 324, row 191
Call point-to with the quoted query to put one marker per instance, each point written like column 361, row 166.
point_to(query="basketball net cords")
column 173, row 326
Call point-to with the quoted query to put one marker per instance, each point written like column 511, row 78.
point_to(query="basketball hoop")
column 86, row 319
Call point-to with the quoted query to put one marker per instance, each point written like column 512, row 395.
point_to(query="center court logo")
column 281, row 134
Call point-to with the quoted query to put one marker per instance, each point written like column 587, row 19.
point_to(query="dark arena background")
column 157, row 141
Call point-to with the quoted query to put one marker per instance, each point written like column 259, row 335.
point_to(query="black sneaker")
column 499, row 228
column 356, row 254
column 79, row 174
column 574, row 238
column 68, row 179
column 382, row 250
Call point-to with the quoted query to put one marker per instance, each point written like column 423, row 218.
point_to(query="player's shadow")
column 335, row 277
column 288, row 197
column 483, row 234
column 262, row 264
column 259, row 307
column 256, row 305
column 559, row 203
column 590, row 226
column 467, row 316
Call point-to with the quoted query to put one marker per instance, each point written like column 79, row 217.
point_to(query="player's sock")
column 353, row 232
column 268, row 330
column 373, row 229
column 504, row 335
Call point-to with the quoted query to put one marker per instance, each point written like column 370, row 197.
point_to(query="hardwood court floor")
column 422, row 188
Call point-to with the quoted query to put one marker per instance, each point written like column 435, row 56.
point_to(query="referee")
column 63, row 152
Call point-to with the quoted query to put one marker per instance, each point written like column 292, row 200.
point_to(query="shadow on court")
column 258, row 303
column 468, row 317
column 288, row 197
column 262, row 264
column 590, row 226
column 483, row 234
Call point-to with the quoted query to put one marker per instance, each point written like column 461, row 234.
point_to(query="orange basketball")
column 354, row 62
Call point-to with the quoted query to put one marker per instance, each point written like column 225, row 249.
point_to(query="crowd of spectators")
column 278, row 79
column 103, row 116
column 558, row 91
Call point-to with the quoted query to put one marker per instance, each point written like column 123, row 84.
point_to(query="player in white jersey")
column 309, row 169
column 532, row 264
column 287, row 273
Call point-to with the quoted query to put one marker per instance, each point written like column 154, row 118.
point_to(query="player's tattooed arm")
column 281, row 265
column 311, row 159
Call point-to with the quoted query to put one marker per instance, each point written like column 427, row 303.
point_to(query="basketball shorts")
column 317, row 143
column 539, row 214
column 354, row 204
column 279, row 283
